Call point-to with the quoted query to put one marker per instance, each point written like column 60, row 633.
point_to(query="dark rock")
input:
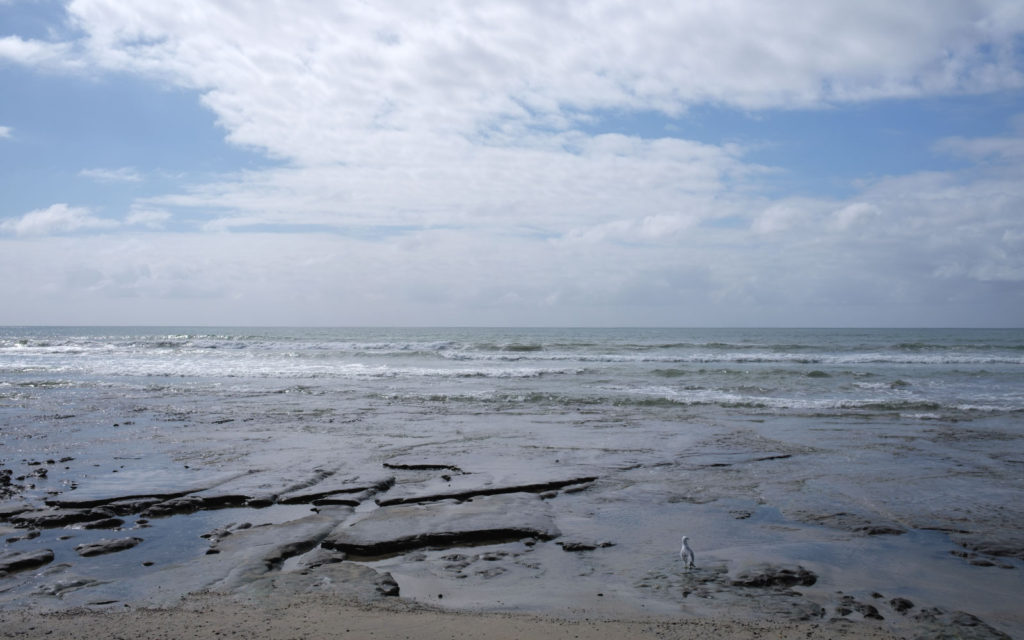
column 106, row 545
column 848, row 604
column 11, row 508
column 471, row 485
column 137, row 485
column 220, row 533
column 730, row 458
column 418, row 464
column 183, row 504
column 771, row 576
column 131, row 506
column 19, row 561
column 1011, row 546
column 855, row 523
column 901, row 605
column 408, row 526
column 51, row 518
column 344, row 499
column 577, row 546
column 387, row 585
column 257, row 488
column 106, row 523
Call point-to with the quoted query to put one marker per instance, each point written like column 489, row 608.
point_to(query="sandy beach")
column 322, row 618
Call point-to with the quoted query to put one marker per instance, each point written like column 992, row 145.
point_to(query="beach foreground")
column 208, row 617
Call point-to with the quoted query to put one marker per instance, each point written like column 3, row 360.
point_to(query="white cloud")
column 38, row 53
column 853, row 214
column 338, row 83
column 56, row 219
column 443, row 144
column 653, row 228
column 781, row 216
column 5, row 132
column 123, row 174
column 607, row 178
column 150, row 218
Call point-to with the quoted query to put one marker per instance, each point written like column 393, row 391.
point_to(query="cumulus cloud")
column 39, row 53
column 312, row 84
column 123, row 174
column 446, row 148
column 5, row 132
column 56, row 219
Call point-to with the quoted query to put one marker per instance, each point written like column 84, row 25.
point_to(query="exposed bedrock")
column 163, row 498
column 865, row 524
column 106, row 545
column 1007, row 545
column 469, row 485
column 258, row 489
column 250, row 553
column 19, row 561
column 138, row 488
column 10, row 508
column 337, row 487
column 774, row 576
column 403, row 527
column 419, row 463
column 51, row 518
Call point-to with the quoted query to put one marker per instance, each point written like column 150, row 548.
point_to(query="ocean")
column 791, row 443
column 908, row 374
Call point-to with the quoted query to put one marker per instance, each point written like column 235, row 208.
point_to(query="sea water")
column 932, row 374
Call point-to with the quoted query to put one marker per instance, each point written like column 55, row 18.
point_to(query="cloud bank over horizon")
column 539, row 163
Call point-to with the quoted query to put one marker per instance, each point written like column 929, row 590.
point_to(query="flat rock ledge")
column 400, row 528
column 19, row 561
column 474, row 485
column 871, row 525
column 106, row 545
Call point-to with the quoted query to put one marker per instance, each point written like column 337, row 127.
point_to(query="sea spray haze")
column 886, row 459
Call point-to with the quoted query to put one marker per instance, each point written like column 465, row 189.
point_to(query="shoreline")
column 280, row 617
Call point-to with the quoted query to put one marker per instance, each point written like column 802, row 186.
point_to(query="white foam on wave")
column 286, row 366
column 745, row 358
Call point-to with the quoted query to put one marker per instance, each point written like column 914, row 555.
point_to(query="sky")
column 512, row 163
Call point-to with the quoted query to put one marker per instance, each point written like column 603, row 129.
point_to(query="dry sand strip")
column 313, row 619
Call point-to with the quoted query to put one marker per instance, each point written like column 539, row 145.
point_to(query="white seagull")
column 686, row 553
